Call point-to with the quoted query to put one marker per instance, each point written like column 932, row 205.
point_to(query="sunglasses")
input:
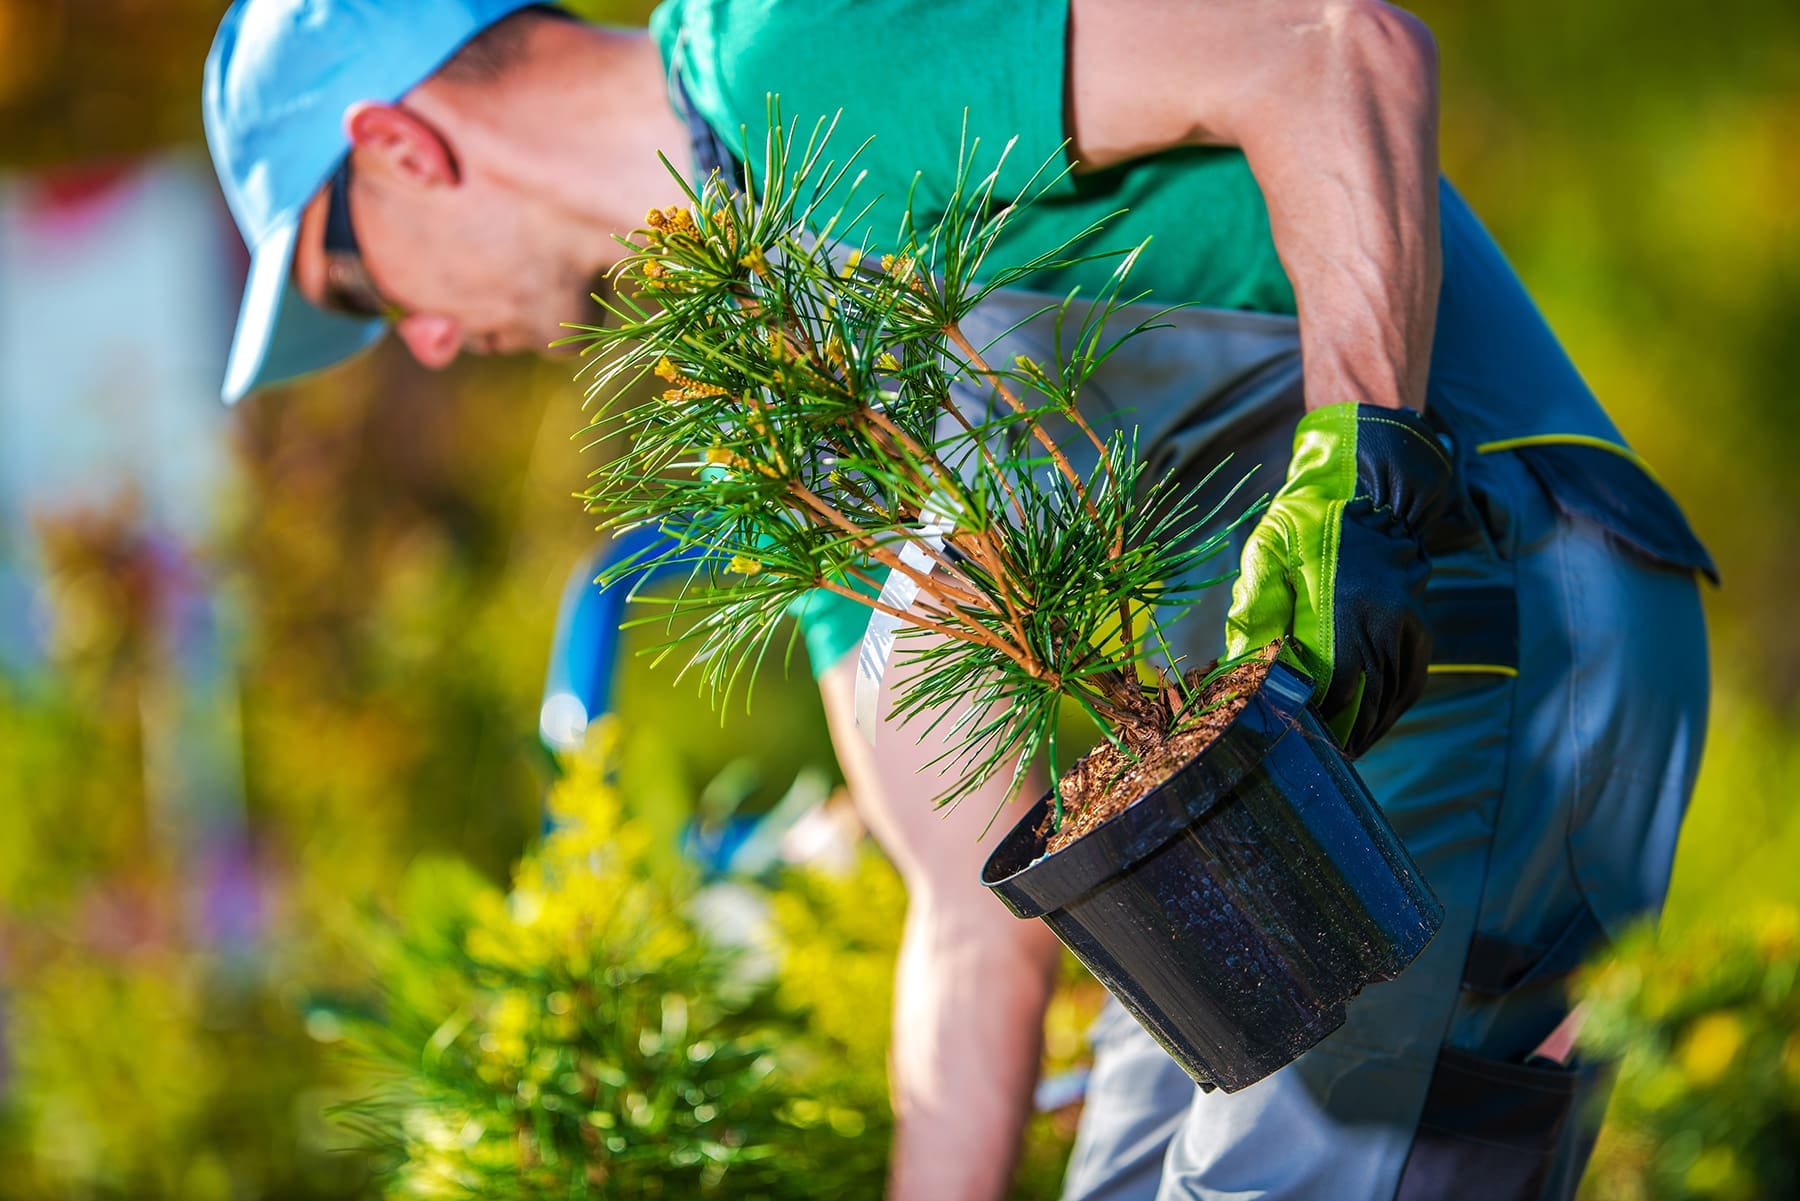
column 348, row 288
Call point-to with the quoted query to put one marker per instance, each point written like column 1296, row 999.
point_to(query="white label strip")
column 898, row 593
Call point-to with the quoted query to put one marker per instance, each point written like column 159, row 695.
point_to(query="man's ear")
column 399, row 143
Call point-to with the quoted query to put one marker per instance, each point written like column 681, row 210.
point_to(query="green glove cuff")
column 1288, row 572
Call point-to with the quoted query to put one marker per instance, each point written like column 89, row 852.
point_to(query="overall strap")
column 709, row 150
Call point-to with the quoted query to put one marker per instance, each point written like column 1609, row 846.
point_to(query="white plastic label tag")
column 898, row 593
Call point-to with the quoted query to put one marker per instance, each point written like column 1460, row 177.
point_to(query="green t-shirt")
column 903, row 72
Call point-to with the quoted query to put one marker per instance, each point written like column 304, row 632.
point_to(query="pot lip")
column 1048, row 882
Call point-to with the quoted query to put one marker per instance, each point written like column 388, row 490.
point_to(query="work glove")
column 1337, row 565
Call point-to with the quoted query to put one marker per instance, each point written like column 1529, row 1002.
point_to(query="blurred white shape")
column 115, row 306
column 563, row 721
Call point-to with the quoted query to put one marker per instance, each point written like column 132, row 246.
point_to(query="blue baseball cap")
column 278, row 79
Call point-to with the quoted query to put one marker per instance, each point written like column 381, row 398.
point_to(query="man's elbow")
column 1382, row 43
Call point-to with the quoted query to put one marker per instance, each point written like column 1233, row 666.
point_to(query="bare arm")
column 973, row 980
column 1334, row 103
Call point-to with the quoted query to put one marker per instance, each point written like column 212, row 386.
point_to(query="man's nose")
column 432, row 339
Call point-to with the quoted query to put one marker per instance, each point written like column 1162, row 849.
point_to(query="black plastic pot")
column 1238, row 906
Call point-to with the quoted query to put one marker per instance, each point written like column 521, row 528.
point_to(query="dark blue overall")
column 1539, row 783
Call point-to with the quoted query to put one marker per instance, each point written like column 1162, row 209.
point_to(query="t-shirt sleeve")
column 901, row 72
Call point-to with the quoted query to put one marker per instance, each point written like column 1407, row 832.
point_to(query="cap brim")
column 280, row 334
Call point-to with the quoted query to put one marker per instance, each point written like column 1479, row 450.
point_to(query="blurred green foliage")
column 1707, row 1034
column 400, row 540
column 1705, row 1012
column 591, row 1034
column 397, row 579
column 1636, row 163
column 585, row 1037
column 90, row 79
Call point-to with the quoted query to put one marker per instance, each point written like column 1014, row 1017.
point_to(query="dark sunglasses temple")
column 340, row 236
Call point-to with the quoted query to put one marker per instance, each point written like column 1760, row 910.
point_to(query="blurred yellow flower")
column 1707, row 1051
column 1778, row 933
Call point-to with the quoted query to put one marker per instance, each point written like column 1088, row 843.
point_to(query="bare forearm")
column 1334, row 103
column 1349, row 168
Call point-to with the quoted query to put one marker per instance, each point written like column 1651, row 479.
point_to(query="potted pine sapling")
column 820, row 424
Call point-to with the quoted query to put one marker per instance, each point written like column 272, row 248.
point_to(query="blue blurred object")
column 585, row 650
column 722, row 842
column 578, row 688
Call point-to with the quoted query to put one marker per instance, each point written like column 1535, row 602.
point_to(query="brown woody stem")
column 1127, row 639
column 990, row 556
column 881, row 554
column 980, row 364
column 962, row 419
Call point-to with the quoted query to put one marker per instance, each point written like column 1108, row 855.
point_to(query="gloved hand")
column 1338, row 564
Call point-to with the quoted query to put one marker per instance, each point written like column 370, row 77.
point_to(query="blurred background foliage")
column 396, row 543
column 1706, row 1034
column 586, row 1036
column 600, row 1032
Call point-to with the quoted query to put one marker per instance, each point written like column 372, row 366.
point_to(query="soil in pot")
column 1107, row 781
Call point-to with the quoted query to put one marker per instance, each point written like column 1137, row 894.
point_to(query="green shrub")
column 839, row 937
column 583, row 1037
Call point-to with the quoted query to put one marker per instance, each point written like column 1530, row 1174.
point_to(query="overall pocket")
column 1490, row 1129
column 1589, row 479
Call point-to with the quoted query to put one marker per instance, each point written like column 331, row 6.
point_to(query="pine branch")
column 809, row 429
